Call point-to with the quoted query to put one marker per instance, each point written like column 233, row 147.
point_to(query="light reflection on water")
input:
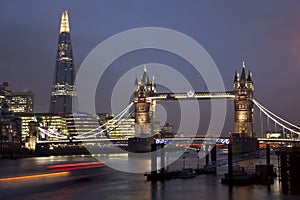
column 112, row 184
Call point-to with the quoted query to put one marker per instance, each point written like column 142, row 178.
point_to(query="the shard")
column 63, row 89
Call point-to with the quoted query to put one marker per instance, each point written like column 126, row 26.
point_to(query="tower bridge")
column 145, row 97
column 144, row 104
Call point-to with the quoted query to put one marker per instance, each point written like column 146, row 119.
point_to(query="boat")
column 240, row 177
column 207, row 169
column 186, row 173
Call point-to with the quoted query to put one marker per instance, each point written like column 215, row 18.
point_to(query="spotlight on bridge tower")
column 243, row 137
column 144, row 114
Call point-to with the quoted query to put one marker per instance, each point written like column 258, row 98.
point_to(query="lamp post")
column 197, row 162
column 167, row 163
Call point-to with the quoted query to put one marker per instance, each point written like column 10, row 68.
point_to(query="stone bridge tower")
column 243, row 105
column 144, row 107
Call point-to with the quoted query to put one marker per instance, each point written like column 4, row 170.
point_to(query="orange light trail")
column 35, row 176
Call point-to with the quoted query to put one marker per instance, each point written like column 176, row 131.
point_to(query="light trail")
column 17, row 178
column 75, row 166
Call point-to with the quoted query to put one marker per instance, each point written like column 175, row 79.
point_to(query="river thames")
column 107, row 183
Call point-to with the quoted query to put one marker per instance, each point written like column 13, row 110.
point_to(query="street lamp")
column 197, row 162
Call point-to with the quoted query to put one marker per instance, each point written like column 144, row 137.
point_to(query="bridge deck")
column 202, row 138
column 193, row 95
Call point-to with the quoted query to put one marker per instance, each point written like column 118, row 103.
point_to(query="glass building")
column 81, row 123
column 63, row 90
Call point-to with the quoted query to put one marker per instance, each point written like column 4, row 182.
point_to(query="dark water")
column 107, row 183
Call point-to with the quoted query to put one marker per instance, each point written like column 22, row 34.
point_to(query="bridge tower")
column 144, row 107
column 243, row 105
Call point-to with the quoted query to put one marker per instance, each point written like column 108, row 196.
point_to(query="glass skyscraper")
column 63, row 90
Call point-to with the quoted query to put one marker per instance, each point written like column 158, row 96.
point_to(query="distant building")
column 18, row 102
column 46, row 121
column 289, row 135
column 63, row 90
column 274, row 135
column 286, row 134
column 2, row 100
column 167, row 131
column 80, row 123
column 104, row 117
column 69, row 125
column 10, row 133
column 5, row 89
column 123, row 128
column 22, row 102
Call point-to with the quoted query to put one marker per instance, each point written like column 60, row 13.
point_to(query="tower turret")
column 145, row 78
column 236, row 80
column 243, row 79
column 136, row 85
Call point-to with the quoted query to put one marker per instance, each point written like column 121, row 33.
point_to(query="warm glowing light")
column 75, row 166
column 64, row 24
column 35, row 176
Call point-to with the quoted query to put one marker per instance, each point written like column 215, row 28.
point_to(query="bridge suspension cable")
column 100, row 130
column 114, row 119
column 52, row 135
column 278, row 120
column 115, row 123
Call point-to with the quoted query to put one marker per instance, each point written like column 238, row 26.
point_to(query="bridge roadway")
column 193, row 95
column 201, row 138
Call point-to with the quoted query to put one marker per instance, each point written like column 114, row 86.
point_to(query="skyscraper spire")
column 64, row 23
column 63, row 89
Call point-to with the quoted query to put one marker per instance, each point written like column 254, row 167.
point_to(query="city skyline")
column 149, row 99
column 267, row 41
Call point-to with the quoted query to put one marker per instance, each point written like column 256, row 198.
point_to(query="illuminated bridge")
column 192, row 95
column 143, row 109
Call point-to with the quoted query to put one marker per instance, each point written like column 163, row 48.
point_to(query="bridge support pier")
column 140, row 145
column 153, row 160
column 206, row 155
column 213, row 155
column 154, row 175
column 289, row 162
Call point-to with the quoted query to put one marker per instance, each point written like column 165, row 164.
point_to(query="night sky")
column 264, row 34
